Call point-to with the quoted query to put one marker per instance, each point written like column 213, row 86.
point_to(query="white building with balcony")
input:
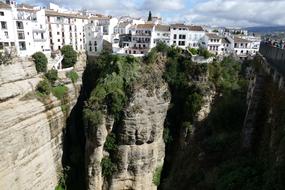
column 213, row 43
column 161, row 34
column 7, row 28
column 184, row 36
column 94, row 39
column 66, row 29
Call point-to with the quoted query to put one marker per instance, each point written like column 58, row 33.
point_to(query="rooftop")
column 145, row 26
column 163, row 28
column 213, row 36
column 72, row 15
column 195, row 28
column 240, row 40
column 4, row 6
column 225, row 41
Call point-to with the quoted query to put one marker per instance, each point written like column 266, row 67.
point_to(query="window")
column 13, row 44
column 1, row 13
column 1, row 45
column 50, row 34
column 20, row 25
column 6, row 34
column 22, row 46
column 58, row 40
column 174, row 42
column 3, row 25
column 6, row 44
column 57, row 33
column 95, row 43
column 181, row 43
column 182, row 37
column 95, row 49
column 90, row 48
column 21, row 35
column 175, row 36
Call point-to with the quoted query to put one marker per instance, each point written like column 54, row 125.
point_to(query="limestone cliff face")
column 30, row 130
column 141, row 147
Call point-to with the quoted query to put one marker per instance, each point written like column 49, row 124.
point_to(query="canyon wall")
column 141, row 147
column 31, row 130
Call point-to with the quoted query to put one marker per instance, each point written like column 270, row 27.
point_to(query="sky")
column 242, row 13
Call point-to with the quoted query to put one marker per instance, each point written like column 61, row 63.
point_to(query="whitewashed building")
column 66, row 29
column 94, row 39
column 185, row 36
column 7, row 28
column 161, row 34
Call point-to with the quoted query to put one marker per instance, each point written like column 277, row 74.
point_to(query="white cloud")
column 239, row 13
column 213, row 12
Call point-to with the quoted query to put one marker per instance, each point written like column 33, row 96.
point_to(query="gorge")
column 158, row 122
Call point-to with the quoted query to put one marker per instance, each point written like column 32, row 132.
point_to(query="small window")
column 3, row 25
column 22, row 46
column 1, row 13
column 13, row 44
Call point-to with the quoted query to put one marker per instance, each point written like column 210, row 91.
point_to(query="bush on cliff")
column 44, row 87
column 60, row 92
column 52, row 76
column 70, row 56
column 73, row 76
column 108, row 167
column 41, row 61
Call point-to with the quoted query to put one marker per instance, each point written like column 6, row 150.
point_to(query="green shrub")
column 73, row 76
column 193, row 51
column 157, row 176
column 151, row 57
column 205, row 53
column 44, row 87
column 162, row 47
column 108, row 167
column 40, row 61
column 110, row 143
column 60, row 92
column 52, row 76
column 92, row 118
column 70, row 56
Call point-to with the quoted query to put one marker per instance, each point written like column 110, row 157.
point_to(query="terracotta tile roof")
column 24, row 5
column 123, row 24
column 4, row 6
column 145, row 26
column 163, row 28
column 72, row 15
column 178, row 25
column 240, row 40
column 195, row 28
column 27, row 10
column 213, row 36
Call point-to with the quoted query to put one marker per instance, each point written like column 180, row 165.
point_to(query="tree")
column 149, row 16
column 70, row 56
column 41, row 61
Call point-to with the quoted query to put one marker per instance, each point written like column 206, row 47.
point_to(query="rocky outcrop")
column 30, row 129
column 141, row 147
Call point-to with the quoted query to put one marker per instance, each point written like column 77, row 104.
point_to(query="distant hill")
column 266, row 29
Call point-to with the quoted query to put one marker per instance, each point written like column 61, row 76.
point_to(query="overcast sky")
column 211, row 12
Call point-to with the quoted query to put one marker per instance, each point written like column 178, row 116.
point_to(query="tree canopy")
column 70, row 56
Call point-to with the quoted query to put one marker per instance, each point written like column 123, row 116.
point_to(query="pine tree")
column 149, row 16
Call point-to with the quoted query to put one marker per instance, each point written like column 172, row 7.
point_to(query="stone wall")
column 30, row 130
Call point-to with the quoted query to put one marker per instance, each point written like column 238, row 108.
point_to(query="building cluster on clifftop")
column 29, row 29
